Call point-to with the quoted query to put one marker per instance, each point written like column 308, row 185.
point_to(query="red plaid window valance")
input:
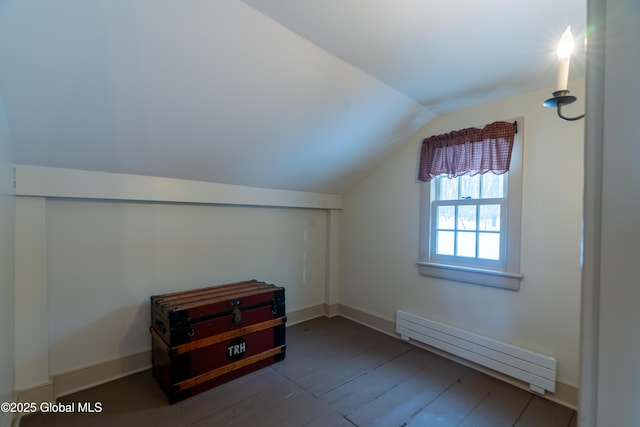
column 472, row 150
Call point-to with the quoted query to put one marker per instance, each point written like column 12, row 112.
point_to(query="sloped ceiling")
column 302, row 95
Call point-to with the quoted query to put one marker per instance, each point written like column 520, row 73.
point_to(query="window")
column 470, row 224
column 466, row 221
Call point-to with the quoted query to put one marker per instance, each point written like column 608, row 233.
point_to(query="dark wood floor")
column 336, row 373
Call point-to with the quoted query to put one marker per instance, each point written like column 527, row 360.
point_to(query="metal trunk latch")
column 236, row 314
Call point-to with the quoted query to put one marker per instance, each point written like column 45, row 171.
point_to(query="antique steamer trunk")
column 204, row 337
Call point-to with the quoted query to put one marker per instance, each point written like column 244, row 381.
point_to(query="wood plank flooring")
column 336, row 373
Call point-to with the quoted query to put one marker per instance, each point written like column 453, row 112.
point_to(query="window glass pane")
column 467, row 217
column 489, row 246
column 492, row 186
column 489, row 218
column 446, row 217
column 448, row 188
column 469, row 186
column 466, row 244
column 445, row 242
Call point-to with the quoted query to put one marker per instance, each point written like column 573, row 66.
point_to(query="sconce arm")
column 560, row 98
column 570, row 119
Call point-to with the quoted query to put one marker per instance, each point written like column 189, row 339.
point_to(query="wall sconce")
column 561, row 95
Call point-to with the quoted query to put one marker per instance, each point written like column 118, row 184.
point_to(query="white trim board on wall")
column 41, row 189
column 42, row 181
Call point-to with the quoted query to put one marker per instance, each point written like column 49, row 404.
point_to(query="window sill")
column 478, row 276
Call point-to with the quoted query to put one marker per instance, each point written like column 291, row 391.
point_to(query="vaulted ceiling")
column 304, row 95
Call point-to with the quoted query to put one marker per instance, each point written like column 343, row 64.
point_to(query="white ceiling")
column 443, row 54
column 304, row 95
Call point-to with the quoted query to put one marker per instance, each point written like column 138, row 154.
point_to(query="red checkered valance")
column 471, row 150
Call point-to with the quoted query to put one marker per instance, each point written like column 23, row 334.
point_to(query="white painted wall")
column 7, row 202
column 104, row 260
column 91, row 248
column 618, row 388
column 380, row 238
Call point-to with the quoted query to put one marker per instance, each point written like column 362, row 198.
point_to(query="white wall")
column 87, row 267
column 6, row 263
column 380, row 238
column 105, row 259
column 618, row 376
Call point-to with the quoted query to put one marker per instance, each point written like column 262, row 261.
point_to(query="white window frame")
column 502, row 274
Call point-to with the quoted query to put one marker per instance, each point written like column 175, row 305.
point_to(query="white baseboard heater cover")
column 536, row 369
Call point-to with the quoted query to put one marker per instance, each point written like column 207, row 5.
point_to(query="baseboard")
column 100, row 373
column 90, row 376
column 367, row 319
column 307, row 313
column 331, row 310
column 13, row 420
column 565, row 395
column 37, row 395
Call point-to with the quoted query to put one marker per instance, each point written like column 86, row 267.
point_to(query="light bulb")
column 565, row 47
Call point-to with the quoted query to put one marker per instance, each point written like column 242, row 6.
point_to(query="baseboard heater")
column 536, row 369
